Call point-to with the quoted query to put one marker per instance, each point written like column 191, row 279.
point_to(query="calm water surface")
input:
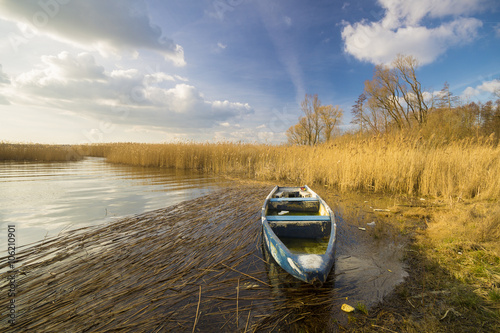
column 42, row 199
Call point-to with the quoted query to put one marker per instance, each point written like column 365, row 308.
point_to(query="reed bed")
column 409, row 166
column 37, row 152
column 399, row 164
column 196, row 266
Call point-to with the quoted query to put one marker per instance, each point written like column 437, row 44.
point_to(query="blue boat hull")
column 307, row 267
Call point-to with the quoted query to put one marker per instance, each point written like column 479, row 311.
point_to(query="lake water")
column 42, row 199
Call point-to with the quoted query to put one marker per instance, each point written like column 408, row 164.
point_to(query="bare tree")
column 310, row 106
column 410, row 87
column 329, row 116
column 358, row 113
column 297, row 134
column 395, row 94
column 369, row 118
column 446, row 99
column 317, row 124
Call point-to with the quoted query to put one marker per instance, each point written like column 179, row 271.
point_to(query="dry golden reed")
column 37, row 152
column 467, row 226
column 461, row 169
column 396, row 164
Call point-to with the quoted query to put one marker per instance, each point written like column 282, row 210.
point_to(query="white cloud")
column 110, row 26
column 492, row 86
column 487, row 87
column 221, row 45
column 407, row 12
column 226, row 105
column 247, row 134
column 401, row 30
column 66, row 66
column 182, row 98
column 159, row 77
column 77, row 84
column 470, row 92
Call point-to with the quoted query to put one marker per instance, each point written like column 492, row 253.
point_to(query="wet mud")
column 199, row 266
column 370, row 248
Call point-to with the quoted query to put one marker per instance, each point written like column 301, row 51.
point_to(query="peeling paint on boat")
column 312, row 261
column 292, row 264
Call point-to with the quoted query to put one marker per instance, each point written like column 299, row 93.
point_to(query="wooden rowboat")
column 299, row 231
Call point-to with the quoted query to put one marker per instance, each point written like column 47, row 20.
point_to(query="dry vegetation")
column 37, row 152
column 464, row 169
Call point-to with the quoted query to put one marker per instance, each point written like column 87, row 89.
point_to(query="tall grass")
column 37, row 152
column 461, row 169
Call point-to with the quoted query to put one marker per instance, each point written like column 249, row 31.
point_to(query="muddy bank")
column 371, row 244
column 195, row 266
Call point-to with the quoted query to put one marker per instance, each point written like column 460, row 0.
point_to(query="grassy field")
column 455, row 258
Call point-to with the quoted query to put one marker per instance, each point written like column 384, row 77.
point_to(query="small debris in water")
column 283, row 212
column 371, row 224
column 361, row 228
column 251, row 286
column 346, row 308
column 381, row 210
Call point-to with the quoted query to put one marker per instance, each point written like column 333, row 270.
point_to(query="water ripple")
column 44, row 198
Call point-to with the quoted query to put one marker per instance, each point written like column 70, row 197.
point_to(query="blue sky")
column 88, row 71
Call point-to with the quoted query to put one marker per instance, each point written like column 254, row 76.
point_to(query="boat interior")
column 292, row 193
column 300, row 220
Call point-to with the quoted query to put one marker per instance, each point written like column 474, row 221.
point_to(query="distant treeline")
column 393, row 101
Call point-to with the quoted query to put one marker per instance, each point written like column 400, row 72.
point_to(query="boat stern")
column 310, row 268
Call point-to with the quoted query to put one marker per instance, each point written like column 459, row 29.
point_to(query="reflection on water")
column 42, row 199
